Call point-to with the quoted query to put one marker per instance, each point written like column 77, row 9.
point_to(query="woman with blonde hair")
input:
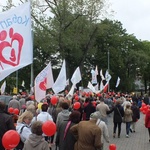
column 23, row 126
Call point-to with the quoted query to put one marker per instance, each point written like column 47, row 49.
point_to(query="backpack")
column 21, row 144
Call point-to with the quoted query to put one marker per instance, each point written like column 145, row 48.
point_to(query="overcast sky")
column 134, row 15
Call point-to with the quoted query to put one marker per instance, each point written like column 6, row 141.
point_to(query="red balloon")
column 10, row 109
column 16, row 111
column 10, row 139
column 112, row 147
column 54, row 100
column 76, row 98
column 32, row 97
column 145, row 108
column 49, row 128
column 76, row 105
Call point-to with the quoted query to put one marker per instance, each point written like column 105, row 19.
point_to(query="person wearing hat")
column 102, row 125
column 88, row 135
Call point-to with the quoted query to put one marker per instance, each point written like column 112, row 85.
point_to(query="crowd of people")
column 84, row 128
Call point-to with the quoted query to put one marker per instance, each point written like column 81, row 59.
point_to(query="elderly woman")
column 23, row 125
column 36, row 140
column 65, row 139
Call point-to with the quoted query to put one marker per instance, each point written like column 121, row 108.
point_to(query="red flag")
column 105, row 88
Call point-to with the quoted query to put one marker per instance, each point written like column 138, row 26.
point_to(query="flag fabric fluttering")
column 118, row 82
column 94, row 75
column 91, row 87
column 3, row 87
column 76, row 77
column 23, row 83
column 105, row 89
column 60, row 82
column 44, row 80
column 101, row 86
column 107, row 76
column 67, row 82
column 101, row 74
column 16, row 39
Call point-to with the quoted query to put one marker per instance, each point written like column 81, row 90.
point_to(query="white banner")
column 60, row 82
column 118, row 82
column 76, row 77
column 43, row 81
column 16, row 49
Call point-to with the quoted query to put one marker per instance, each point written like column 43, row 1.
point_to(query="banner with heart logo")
column 16, row 44
column 44, row 80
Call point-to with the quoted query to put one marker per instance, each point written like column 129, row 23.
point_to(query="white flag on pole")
column 76, row 77
column 70, row 93
column 91, row 87
column 94, row 76
column 107, row 76
column 16, row 48
column 67, row 82
column 101, row 74
column 3, row 87
column 23, row 83
column 118, row 82
column 44, row 80
column 96, row 87
column 101, row 86
column 60, row 82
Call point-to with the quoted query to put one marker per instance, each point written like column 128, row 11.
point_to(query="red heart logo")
column 42, row 85
column 13, row 58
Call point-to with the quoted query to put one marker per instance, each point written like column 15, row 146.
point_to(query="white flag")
column 3, row 87
column 118, row 82
column 60, row 82
column 101, row 74
column 23, row 83
column 101, row 86
column 67, row 82
column 76, row 77
column 96, row 70
column 43, row 81
column 94, row 76
column 16, row 45
column 91, row 87
column 107, row 76
column 70, row 93
column 96, row 87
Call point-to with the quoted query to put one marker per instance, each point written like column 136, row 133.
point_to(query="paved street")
column 137, row 141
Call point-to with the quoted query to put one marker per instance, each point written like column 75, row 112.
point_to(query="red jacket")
column 147, row 119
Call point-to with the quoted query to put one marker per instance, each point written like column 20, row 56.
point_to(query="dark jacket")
column 68, row 142
column 136, row 113
column 6, row 123
column 118, row 113
column 89, row 109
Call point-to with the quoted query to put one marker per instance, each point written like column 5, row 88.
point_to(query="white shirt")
column 44, row 116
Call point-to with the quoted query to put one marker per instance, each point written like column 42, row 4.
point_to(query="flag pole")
column 32, row 70
column 108, row 68
column 17, row 81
